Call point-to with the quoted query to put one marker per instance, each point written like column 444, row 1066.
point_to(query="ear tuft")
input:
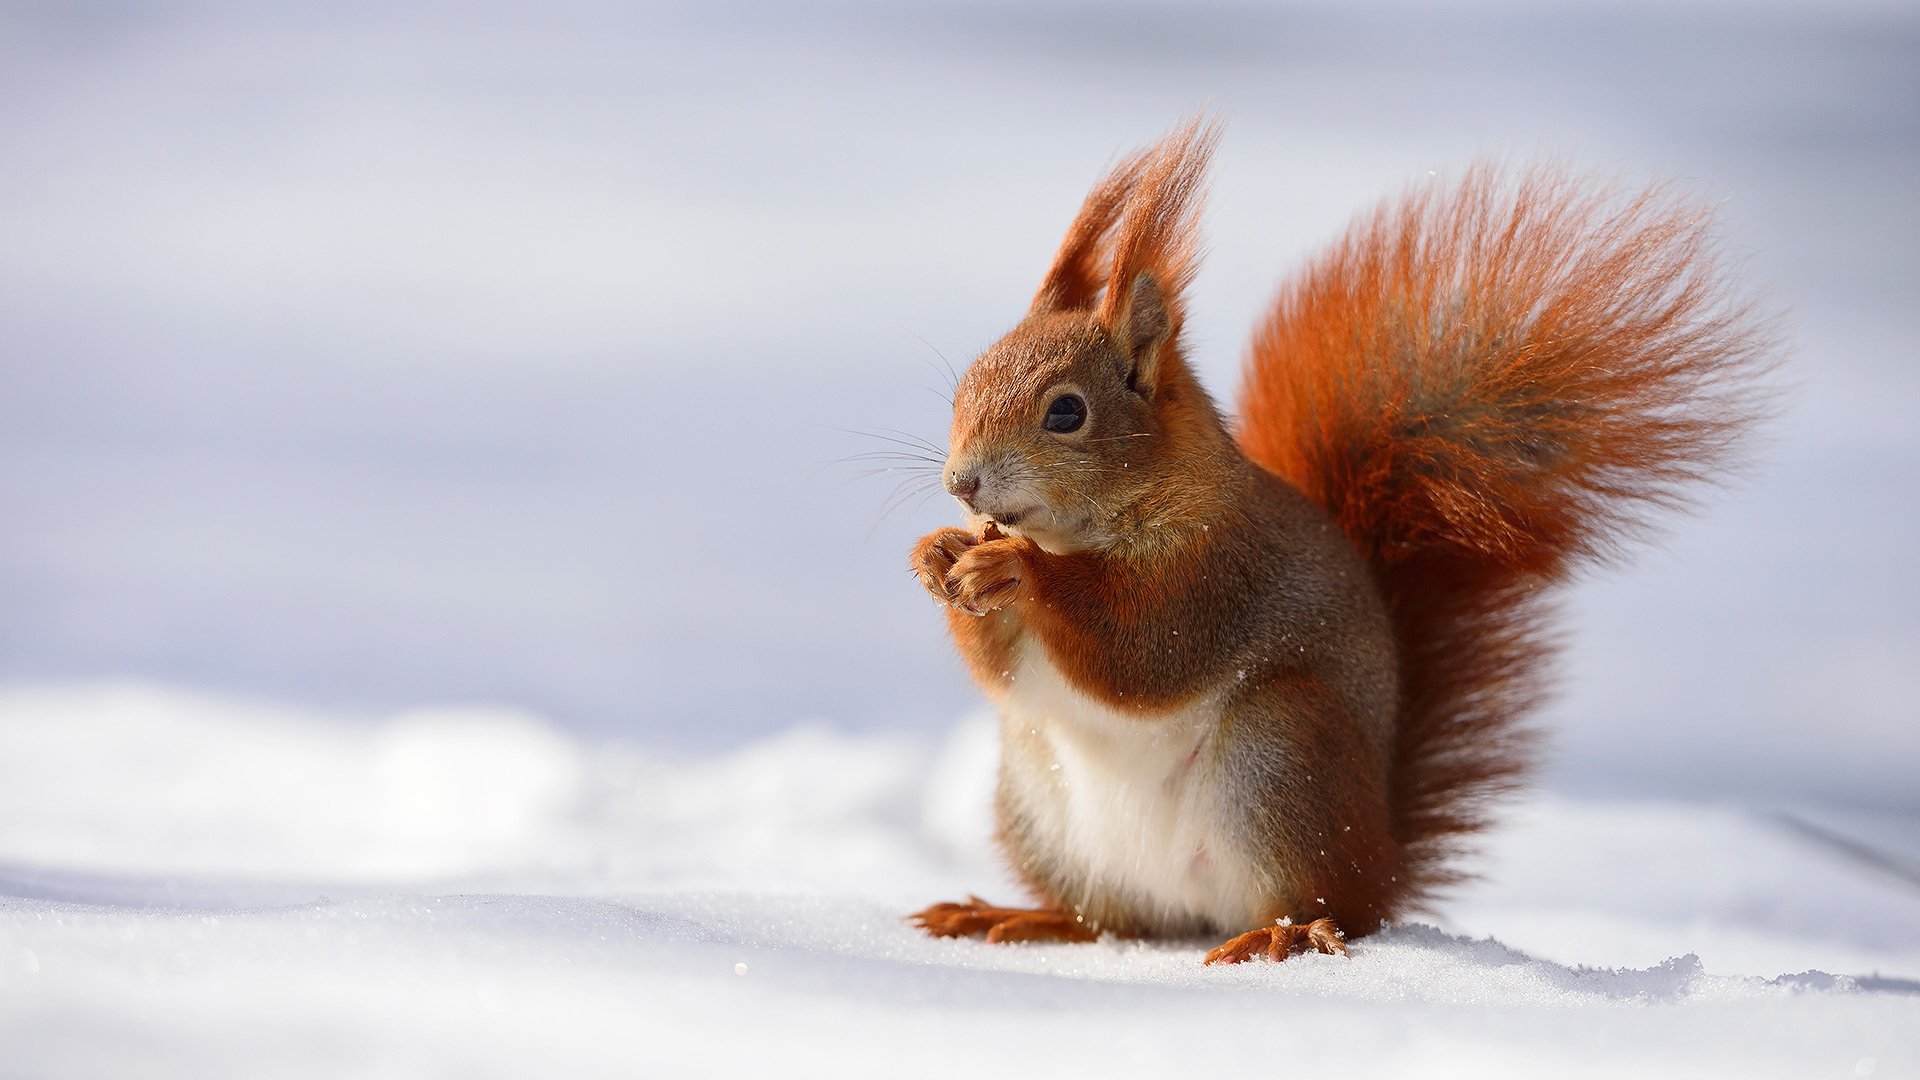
column 1142, row 216
column 1156, row 248
column 1080, row 268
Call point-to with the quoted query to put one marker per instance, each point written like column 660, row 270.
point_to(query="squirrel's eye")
column 1066, row 414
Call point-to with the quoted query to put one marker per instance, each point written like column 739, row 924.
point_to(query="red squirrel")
column 1260, row 682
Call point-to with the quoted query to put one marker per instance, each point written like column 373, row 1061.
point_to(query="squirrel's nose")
column 963, row 485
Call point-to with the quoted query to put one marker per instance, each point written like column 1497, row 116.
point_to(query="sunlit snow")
column 195, row 885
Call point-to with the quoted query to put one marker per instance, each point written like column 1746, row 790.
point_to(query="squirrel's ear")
column 1141, row 326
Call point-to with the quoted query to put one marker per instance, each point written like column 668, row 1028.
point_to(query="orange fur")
column 1278, row 941
column 1486, row 386
column 1477, row 390
column 1160, row 232
column 1000, row 924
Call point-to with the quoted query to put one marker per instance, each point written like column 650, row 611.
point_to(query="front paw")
column 934, row 556
column 988, row 575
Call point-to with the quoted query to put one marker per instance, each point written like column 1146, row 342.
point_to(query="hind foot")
column 1002, row 924
column 1278, row 941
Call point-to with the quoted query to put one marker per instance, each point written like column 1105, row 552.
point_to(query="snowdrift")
column 199, row 886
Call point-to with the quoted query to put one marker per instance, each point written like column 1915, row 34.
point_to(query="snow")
column 199, row 885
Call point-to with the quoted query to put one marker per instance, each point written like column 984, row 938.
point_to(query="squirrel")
column 1262, row 683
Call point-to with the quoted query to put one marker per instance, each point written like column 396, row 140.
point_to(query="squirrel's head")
column 1083, row 425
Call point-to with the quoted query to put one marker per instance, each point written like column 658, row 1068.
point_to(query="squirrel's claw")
column 1277, row 942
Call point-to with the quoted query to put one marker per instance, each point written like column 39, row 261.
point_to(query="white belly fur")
column 1125, row 803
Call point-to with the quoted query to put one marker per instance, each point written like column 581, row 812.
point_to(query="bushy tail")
column 1487, row 385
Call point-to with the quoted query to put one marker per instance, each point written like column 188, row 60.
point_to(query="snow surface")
column 207, row 886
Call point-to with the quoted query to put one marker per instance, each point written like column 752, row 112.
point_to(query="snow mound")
column 197, row 886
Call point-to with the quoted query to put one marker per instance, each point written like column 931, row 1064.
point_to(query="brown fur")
column 1473, row 392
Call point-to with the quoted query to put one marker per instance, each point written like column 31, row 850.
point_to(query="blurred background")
column 366, row 356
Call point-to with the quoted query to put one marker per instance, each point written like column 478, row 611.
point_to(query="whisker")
column 891, row 455
column 931, row 491
column 1092, row 507
column 953, row 377
column 902, row 438
column 893, row 462
column 892, row 435
column 911, row 439
column 901, row 494
column 902, row 491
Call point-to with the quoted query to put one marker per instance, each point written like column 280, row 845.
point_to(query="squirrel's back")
column 1486, row 385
